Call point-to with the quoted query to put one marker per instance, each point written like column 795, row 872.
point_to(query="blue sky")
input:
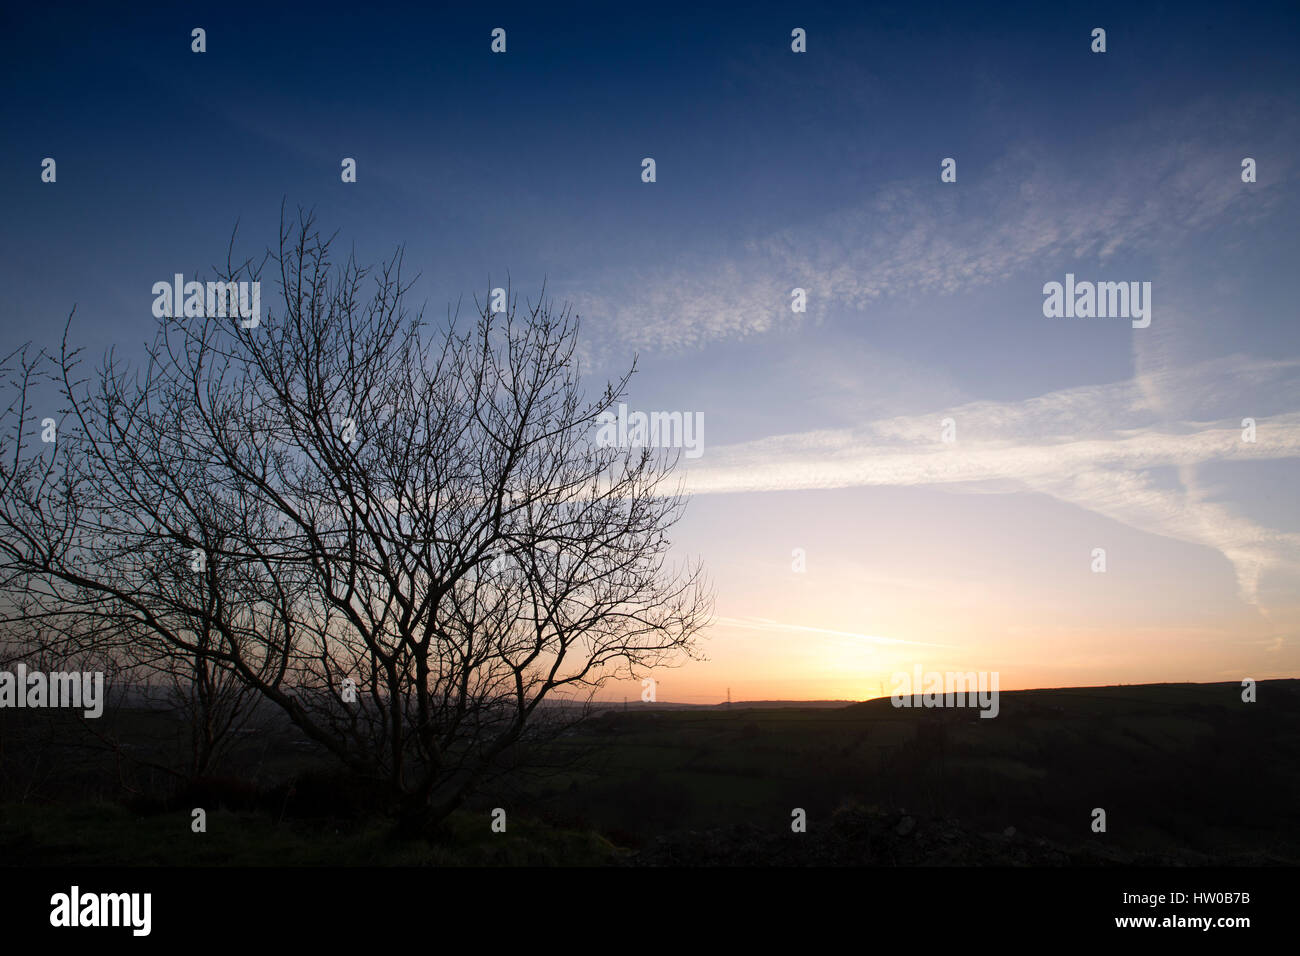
column 775, row 170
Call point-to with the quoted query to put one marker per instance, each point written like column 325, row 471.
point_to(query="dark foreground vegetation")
column 1187, row 774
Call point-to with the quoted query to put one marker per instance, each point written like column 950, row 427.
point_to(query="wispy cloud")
column 1094, row 447
column 1169, row 181
column 763, row 624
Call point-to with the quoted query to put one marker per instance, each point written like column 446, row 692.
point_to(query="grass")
column 107, row 834
column 1177, row 768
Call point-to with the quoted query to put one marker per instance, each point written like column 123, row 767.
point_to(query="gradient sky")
column 776, row 170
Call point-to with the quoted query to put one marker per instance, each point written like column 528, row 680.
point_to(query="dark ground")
column 1187, row 774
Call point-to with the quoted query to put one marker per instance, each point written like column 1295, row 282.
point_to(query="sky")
column 845, row 539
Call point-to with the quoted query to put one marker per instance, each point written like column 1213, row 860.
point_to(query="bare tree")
column 52, row 627
column 407, row 537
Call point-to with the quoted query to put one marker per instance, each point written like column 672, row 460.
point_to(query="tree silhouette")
column 404, row 536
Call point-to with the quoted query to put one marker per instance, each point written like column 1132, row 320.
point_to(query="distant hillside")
column 734, row 705
column 1187, row 773
column 1127, row 697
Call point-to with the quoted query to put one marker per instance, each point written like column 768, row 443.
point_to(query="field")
column 1186, row 774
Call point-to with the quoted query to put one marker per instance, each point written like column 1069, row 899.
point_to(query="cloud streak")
column 764, row 624
column 1170, row 182
column 1026, row 446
